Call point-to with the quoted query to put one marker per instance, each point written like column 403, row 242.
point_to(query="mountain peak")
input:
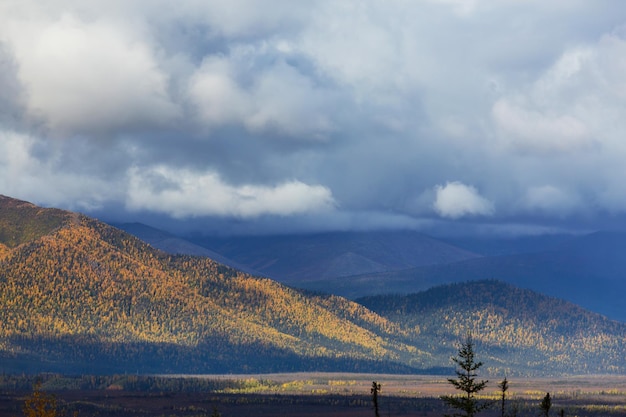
column 23, row 222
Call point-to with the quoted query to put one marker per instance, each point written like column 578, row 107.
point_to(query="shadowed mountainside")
column 170, row 243
column 297, row 258
column 586, row 270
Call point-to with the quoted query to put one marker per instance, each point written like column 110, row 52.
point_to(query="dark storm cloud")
column 317, row 115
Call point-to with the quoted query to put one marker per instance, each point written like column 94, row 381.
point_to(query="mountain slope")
column 175, row 245
column 88, row 290
column 21, row 221
column 81, row 296
column 514, row 328
column 586, row 270
column 297, row 258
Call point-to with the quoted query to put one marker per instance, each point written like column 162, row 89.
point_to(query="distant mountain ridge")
column 297, row 258
column 588, row 270
column 80, row 296
column 173, row 244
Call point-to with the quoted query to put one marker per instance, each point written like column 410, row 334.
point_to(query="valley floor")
column 307, row 394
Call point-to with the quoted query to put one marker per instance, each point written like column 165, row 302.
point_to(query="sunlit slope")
column 21, row 221
column 87, row 290
column 516, row 330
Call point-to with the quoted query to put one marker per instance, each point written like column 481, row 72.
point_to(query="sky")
column 249, row 116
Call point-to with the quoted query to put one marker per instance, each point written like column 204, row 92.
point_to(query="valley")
column 303, row 394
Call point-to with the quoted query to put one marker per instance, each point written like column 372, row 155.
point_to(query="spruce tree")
column 545, row 405
column 375, row 390
column 467, row 404
column 504, row 387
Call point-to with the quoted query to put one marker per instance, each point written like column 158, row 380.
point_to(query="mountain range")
column 587, row 270
column 81, row 296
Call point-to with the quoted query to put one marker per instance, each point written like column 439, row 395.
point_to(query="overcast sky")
column 275, row 115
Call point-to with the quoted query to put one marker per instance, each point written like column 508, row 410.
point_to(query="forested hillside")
column 22, row 222
column 80, row 296
column 87, row 290
column 514, row 328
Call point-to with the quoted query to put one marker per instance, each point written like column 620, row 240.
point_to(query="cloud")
column 551, row 200
column 277, row 98
column 288, row 102
column 90, row 77
column 455, row 200
column 182, row 193
column 11, row 94
column 572, row 106
column 217, row 97
column 530, row 131
column 33, row 171
column 232, row 111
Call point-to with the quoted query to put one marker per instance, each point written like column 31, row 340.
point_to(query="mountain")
column 586, row 270
column 297, row 258
column 487, row 245
column 22, row 222
column 167, row 242
column 514, row 328
column 80, row 296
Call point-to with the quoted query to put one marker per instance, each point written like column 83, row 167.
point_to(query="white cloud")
column 40, row 180
column 287, row 101
column 575, row 105
column 551, row 200
column 273, row 98
column 216, row 95
column 530, row 131
column 461, row 7
column 89, row 77
column 182, row 193
column 455, row 200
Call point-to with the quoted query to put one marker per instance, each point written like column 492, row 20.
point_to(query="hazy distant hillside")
column 296, row 258
column 487, row 245
column 173, row 244
column 587, row 270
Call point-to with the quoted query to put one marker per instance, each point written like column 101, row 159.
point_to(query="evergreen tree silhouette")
column 375, row 390
column 467, row 403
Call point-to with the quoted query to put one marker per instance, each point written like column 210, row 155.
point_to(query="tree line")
column 468, row 403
